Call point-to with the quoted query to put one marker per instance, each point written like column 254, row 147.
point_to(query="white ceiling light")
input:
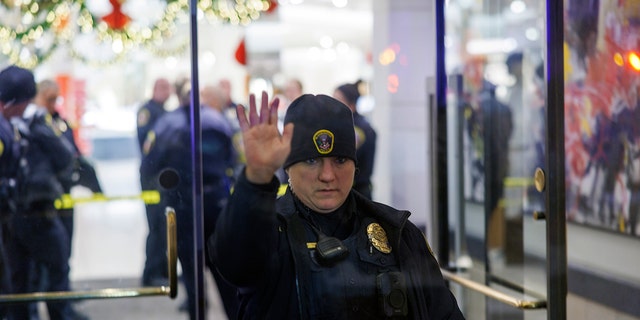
column 326, row 42
column 532, row 34
column 518, row 6
column 342, row 47
column 340, row 3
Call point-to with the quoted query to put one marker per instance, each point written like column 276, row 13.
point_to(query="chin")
column 327, row 206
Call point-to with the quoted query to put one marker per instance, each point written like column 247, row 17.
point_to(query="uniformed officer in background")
column 155, row 271
column 321, row 251
column 167, row 158
column 84, row 173
column 9, row 174
column 9, row 163
column 36, row 234
column 349, row 94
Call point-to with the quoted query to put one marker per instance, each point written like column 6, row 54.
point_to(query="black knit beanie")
column 323, row 127
column 16, row 85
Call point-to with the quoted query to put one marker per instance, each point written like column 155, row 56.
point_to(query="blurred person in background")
column 10, row 173
column 365, row 138
column 168, row 154
column 156, row 270
column 85, row 175
column 225, row 85
column 36, row 234
column 490, row 128
column 214, row 97
column 292, row 90
column 229, row 111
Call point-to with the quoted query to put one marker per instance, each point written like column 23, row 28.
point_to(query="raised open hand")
column 265, row 148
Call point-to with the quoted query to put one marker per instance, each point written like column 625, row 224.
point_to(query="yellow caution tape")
column 68, row 202
column 518, row 182
column 281, row 190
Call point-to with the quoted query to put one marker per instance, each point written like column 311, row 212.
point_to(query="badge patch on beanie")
column 323, row 140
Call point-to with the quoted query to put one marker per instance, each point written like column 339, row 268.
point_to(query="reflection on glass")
column 494, row 49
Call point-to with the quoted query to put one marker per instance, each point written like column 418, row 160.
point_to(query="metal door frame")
column 555, row 218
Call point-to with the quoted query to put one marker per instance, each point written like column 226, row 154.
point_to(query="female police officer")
column 321, row 251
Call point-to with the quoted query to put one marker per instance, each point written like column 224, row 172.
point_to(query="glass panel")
column 103, row 242
column 104, row 78
column 494, row 55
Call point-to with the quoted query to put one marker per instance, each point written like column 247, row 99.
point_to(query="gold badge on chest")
column 378, row 238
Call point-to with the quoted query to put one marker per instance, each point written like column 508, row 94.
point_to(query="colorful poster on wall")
column 602, row 113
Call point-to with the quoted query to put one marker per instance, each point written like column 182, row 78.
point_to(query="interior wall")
column 403, row 178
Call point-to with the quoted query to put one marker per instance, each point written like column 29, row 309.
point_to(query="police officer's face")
column 50, row 99
column 322, row 184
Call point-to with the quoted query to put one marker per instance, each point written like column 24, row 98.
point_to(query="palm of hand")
column 265, row 148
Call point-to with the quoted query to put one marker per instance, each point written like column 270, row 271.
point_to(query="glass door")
column 505, row 202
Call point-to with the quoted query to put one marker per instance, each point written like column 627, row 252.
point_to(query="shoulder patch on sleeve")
column 149, row 142
column 143, row 117
column 360, row 137
column 48, row 120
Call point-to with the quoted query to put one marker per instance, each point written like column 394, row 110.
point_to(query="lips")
column 327, row 191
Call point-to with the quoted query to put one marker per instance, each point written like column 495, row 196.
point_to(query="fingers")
column 242, row 118
column 273, row 111
column 253, row 114
column 268, row 112
column 264, row 108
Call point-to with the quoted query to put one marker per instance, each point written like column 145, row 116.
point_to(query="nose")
column 327, row 172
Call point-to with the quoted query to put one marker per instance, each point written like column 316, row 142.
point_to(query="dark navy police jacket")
column 171, row 149
column 254, row 247
column 9, row 167
column 50, row 157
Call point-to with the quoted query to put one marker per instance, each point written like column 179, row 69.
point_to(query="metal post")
column 441, row 182
column 196, row 160
column 555, row 162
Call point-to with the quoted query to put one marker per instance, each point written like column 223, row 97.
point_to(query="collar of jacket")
column 392, row 220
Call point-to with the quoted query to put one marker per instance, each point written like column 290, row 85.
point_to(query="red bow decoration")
column 116, row 20
column 241, row 53
column 273, row 4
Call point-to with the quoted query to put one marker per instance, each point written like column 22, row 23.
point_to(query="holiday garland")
column 29, row 22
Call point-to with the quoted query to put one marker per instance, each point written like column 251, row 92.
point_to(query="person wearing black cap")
column 321, row 251
column 9, row 170
column 36, row 235
column 365, row 138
